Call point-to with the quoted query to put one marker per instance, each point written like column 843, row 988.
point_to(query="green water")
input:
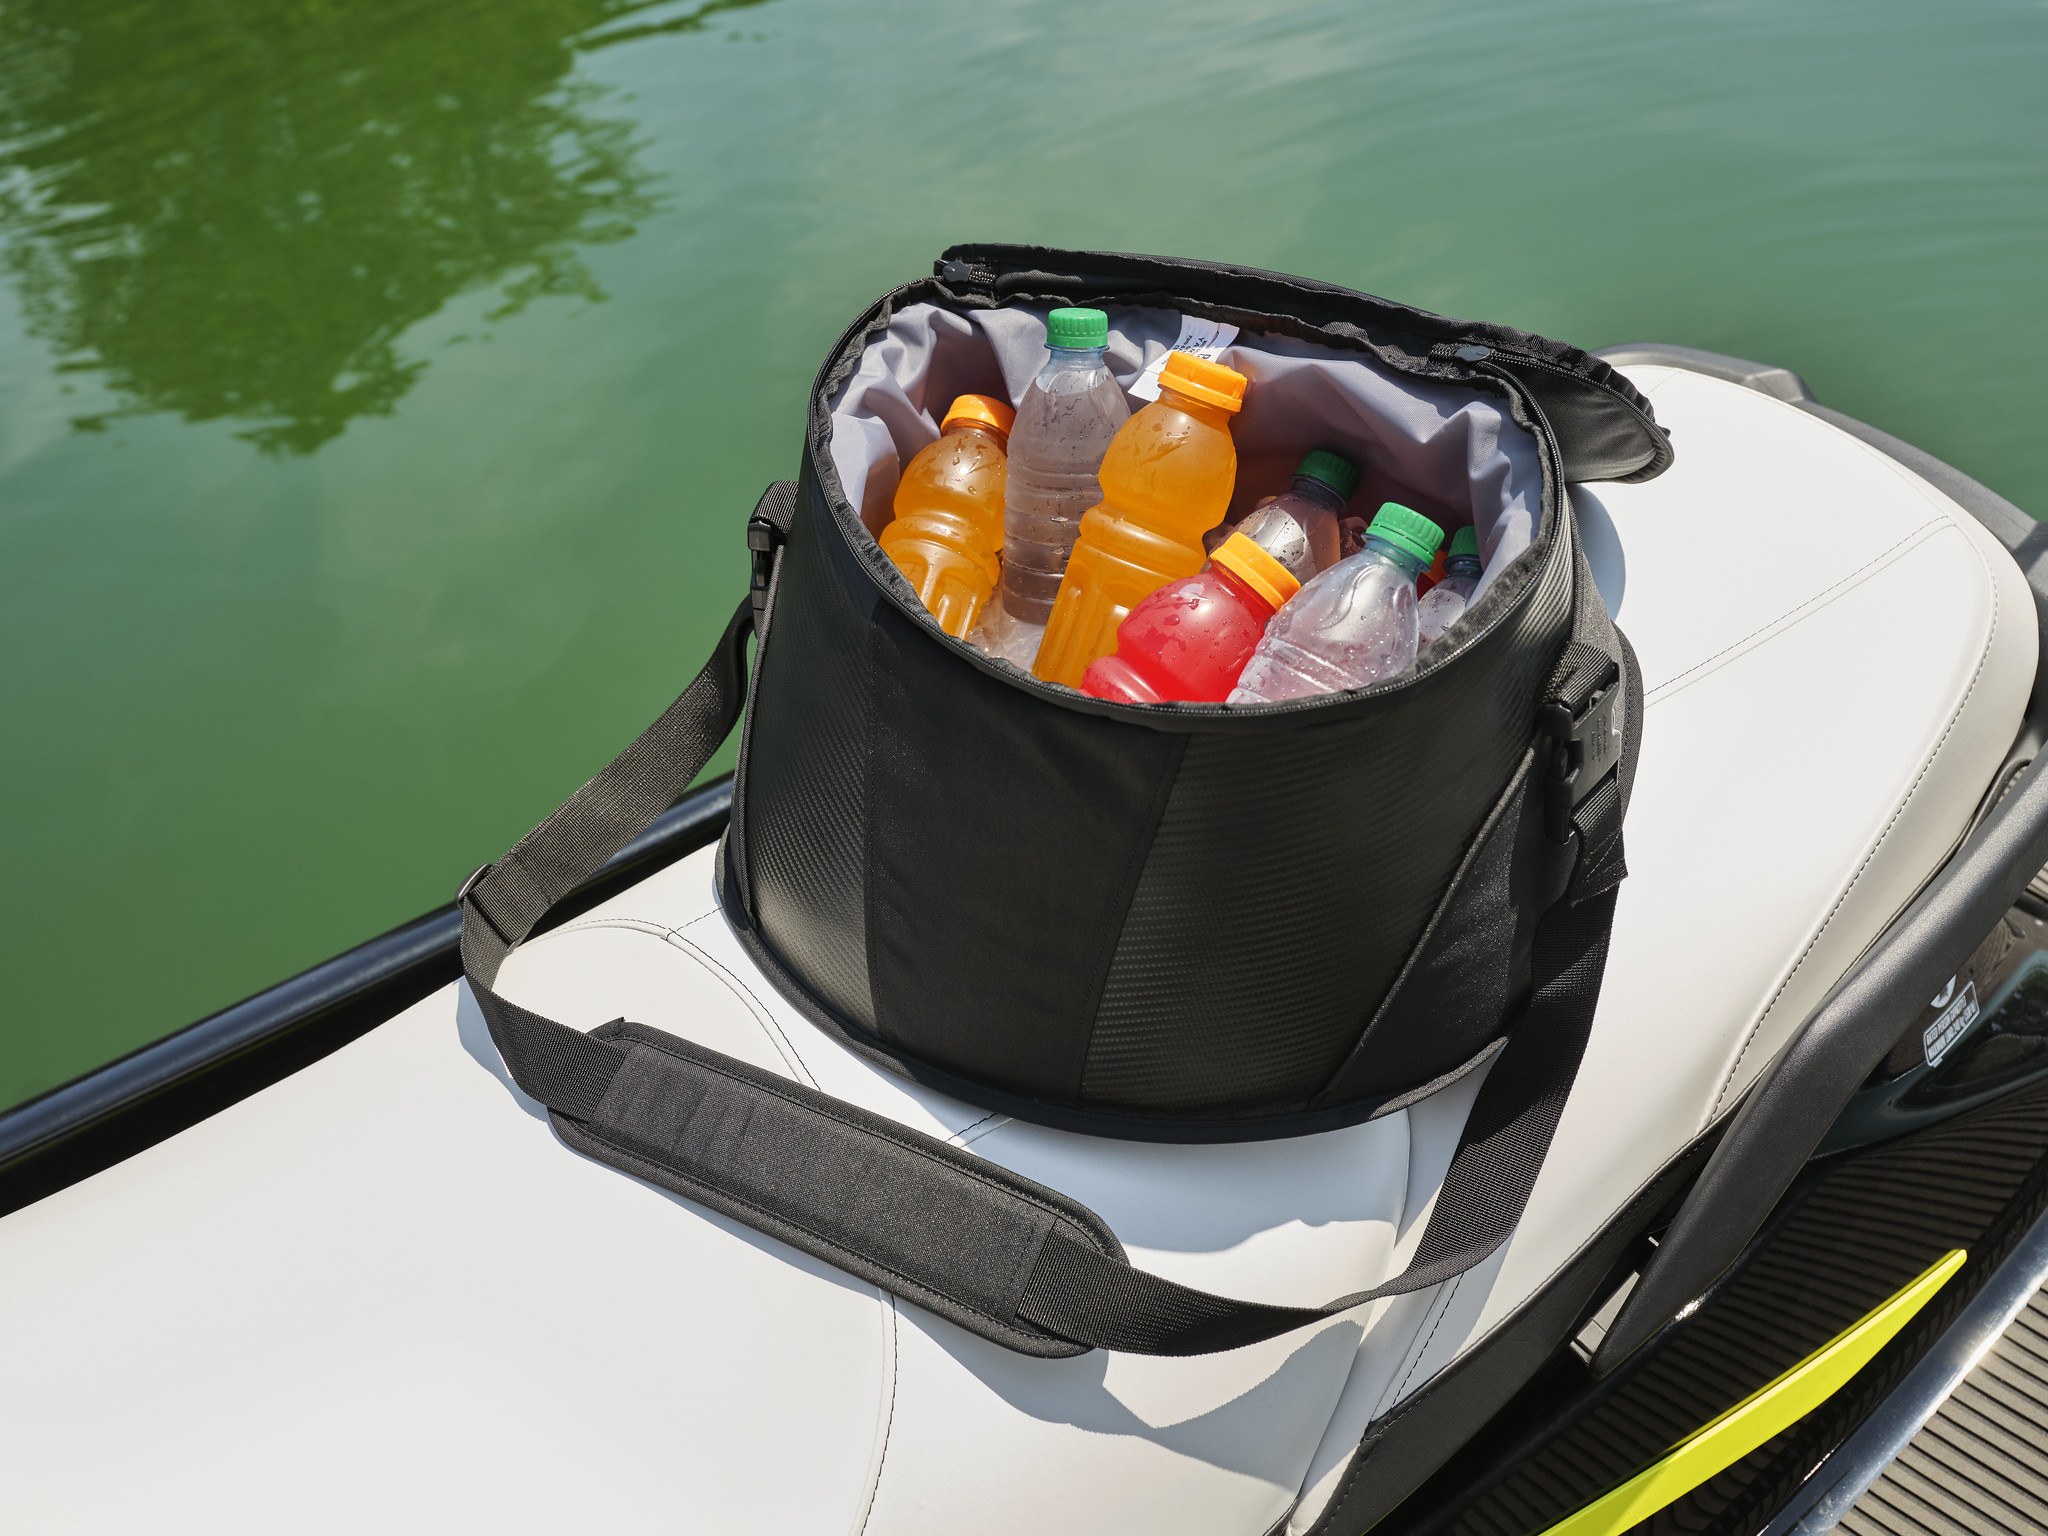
column 382, row 384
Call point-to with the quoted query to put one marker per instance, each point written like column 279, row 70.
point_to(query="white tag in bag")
column 1205, row 339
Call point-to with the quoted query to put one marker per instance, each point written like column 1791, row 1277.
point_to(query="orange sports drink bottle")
column 947, row 537
column 1166, row 481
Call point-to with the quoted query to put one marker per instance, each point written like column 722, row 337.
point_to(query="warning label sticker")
column 1954, row 1023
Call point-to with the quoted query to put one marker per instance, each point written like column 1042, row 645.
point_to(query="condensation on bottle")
column 1443, row 604
column 1352, row 625
column 1064, row 426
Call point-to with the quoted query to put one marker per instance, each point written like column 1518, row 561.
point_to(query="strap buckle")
column 469, row 885
column 763, row 539
column 1584, row 749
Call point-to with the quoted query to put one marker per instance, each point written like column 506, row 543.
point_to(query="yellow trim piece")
column 1723, row 1441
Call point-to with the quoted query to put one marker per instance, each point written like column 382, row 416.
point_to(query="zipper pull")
column 965, row 277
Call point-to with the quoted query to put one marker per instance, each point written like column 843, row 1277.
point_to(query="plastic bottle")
column 1299, row 527
column 1191, row 638
column 1166, row 481
column 947, row 537
column 1068, row 418
column 1438, row 610
column 1352, row 625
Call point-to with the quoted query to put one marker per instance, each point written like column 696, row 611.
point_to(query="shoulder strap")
column 1004, row 1257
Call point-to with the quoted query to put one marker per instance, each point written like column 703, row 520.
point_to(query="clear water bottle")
column 1064, row 426
column 1299, row 527
column 1443, row 603
column 1352, row 625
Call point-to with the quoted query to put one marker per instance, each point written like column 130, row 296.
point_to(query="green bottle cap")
column 1464, row 542
column 1074, row 328
column 1333, row 469
column 1405, row 529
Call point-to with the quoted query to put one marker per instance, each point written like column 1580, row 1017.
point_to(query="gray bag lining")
column 1450, row 452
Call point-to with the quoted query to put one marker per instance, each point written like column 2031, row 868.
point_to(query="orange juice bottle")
column 1166, row 481
column 947, row 537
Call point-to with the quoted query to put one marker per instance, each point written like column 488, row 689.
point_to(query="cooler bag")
column 1179, row 922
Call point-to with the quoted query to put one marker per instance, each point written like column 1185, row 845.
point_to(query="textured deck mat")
column 1980, row 1465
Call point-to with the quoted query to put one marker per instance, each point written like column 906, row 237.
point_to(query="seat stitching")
column 1445, row 1311
column 1818, row 600
column 965, row 1134
column 867, row 1515
column 773, row 1028
column 1899, row 810
column 1392, row 1415
column 586, row 924
column 764, row 1017
column 1390, row 1418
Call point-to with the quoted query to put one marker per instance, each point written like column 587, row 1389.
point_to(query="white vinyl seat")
column 381, row 1294
column 1104, row 1443
column 389, row 1261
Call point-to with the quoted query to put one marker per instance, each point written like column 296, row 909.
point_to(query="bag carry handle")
column 1004, row 1257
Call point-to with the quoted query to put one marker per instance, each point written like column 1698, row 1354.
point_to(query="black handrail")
column 263, row 1038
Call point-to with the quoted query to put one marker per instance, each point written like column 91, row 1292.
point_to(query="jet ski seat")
column 1836, row 659
column 381, row 1291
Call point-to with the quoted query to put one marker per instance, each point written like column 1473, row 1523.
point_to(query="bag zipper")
column 1482, row 354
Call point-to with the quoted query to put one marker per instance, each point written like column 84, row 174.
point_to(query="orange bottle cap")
column 986, row 409
column 1256, row 569
column 1200, row 379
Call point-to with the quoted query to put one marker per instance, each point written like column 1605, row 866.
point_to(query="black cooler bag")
column 1184, row 922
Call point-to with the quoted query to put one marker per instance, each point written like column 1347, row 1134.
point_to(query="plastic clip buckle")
column 763, row 539
column 1584, row 750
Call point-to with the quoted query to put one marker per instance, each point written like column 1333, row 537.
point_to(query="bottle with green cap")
column 1352, row 625
column 1064, row 426
column 1299, row 527
column 1442, row 603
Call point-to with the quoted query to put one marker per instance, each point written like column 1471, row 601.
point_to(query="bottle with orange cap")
column 1191, row 638
column 1351, row 626
column 1299, row 526
column 947, row 536
column 1166, row 481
